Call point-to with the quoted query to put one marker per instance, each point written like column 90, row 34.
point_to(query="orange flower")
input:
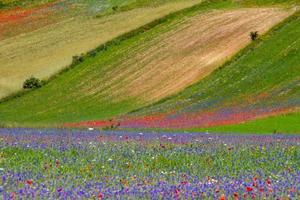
column 222, row 197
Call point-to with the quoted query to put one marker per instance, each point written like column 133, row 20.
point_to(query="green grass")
column 288, row 123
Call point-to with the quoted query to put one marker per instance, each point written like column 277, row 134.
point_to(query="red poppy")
column 268, row 181
column 184, row 182
column 261, row 189
column 236, row 196
column 29, row 182
column 100, row 195
column 177, row 193
column 249, row 189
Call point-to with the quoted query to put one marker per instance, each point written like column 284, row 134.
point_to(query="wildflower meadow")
column 92, row 164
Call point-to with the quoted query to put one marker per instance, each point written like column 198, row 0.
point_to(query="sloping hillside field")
column 263, row 80
column 40, row 41
column 145, row 68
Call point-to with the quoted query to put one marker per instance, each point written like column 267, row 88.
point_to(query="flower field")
column 65, row 164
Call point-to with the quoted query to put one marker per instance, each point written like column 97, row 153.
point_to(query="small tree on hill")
column 115, row 8
column 32, row 83
column 77, row 59
column 253, row 35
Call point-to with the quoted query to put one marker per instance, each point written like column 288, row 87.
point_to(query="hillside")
column 41, row 40
column 128, row 75
column 263, row 80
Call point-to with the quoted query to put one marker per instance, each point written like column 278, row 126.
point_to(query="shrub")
column 254, row 35
column 32, row 83
column 92, row 53
column 77, row 59
column 115, row 8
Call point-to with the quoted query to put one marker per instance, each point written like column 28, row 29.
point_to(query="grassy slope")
column 28, row 54
column 59, row 101
column 287, row 123
column 269, row 67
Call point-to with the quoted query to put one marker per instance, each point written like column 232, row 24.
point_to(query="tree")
column 253, row 35
column 32, row 83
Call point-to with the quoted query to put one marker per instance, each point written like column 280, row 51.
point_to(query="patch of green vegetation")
column 117, row 6
column 288, row 123
column 268, row 2
column 22, row 3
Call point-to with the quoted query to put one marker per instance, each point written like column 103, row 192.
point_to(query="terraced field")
column 41, row 41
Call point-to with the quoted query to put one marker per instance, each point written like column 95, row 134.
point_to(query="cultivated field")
column 263, row 80
column 57, row 33
column 142, row 69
